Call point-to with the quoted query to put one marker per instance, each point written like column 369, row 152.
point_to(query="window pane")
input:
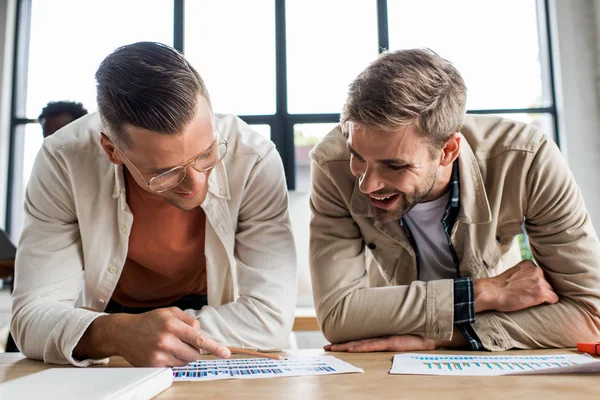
column 305, row 138
column 543, row 121
column 232, row 45
column 263, row 129
column 494, row 45
column 69, row 39
column 328, row 43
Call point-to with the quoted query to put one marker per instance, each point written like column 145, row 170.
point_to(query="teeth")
column 381, row 198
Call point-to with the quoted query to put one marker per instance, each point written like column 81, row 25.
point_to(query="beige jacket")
column 76, row 232
column 364, row 272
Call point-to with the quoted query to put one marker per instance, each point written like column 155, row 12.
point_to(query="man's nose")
column 369, row 181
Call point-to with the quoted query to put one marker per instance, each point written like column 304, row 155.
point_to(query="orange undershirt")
column 166, row 259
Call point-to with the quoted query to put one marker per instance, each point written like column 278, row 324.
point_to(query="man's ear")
column 451, row 149
column 110, row 149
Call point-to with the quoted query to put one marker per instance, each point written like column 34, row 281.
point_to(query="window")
column 284, row 66
column 326, row 49
column 67, row 41
column 232, row 45
column 306, row 136
column 494, row 45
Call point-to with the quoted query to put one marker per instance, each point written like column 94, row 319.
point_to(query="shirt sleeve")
column 464, row 311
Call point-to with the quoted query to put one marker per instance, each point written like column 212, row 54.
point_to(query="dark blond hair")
column 407, row 87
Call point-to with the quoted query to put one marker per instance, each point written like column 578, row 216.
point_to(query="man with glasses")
column 154, row 229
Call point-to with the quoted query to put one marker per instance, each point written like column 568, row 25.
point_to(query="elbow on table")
column 338, row 330
column 28, row 348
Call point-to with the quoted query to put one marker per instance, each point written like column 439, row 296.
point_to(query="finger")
column 551, row 297
column 163, row 360
column 374, row 345
column 200, row 341
column 177, row 362
column 345, row 346
column 185, row 317
column 395, row 343
column 327, row 347
column 185, row 352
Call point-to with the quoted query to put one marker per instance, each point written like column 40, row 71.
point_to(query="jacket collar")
column 474, row 204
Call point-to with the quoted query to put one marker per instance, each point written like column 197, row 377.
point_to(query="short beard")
column 408, row 202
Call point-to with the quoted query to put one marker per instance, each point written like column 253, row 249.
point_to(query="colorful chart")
column 248, row 368
column 424, row 364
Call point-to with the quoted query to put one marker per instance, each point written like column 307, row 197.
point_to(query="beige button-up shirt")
column 76, row 232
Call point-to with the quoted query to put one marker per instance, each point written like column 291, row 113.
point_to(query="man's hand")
column 159, row 338
column 390, row 343
column 399, row 343
column 520, row 287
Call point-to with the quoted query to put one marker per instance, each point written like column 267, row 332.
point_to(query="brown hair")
column 407, row 87
column 148, row 85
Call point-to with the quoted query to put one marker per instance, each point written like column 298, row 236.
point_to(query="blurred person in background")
column 57, row 114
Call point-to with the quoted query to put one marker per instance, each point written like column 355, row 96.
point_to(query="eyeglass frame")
column 183, row 166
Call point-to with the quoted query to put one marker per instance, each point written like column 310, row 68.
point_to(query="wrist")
column 482, row 293
column 98, row 341
column 458, row 341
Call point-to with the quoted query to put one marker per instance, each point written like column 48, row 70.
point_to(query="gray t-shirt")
column 425, row 223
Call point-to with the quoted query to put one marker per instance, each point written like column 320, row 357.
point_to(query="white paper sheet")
column 249, row 368
column 466, row 365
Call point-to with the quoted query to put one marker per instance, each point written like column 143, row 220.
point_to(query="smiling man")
column 415, row 212
column 155, row 229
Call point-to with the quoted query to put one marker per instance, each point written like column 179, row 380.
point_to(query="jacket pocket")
column 494, row 257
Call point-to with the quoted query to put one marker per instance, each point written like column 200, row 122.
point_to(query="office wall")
column 577, row 49
column 7, row 29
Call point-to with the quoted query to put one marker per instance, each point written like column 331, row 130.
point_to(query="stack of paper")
column 89, row 383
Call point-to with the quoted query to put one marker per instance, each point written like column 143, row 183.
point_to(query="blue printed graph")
column 261, row 368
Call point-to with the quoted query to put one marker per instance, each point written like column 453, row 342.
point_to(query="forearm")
column 100, row 339
column 546, row 326
column 422, row 308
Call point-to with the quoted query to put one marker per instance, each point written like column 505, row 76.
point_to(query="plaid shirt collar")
column 454, row 202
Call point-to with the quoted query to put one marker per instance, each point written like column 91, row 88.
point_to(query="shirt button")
column 123, row 228
column 112, row 269
column 222, row 192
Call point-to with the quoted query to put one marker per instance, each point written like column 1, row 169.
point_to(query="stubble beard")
column 408, row 201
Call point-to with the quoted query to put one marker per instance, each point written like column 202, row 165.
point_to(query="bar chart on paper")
column 466, row 365
column 248, row 368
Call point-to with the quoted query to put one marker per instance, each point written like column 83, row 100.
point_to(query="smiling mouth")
column 382, row 197
column 186, row 194
column 383, row 201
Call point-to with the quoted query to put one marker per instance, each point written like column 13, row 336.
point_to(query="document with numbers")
column 467, row 365
column 248, row 368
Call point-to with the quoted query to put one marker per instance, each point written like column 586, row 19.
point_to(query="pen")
column 255, row 353
column 591, row 348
